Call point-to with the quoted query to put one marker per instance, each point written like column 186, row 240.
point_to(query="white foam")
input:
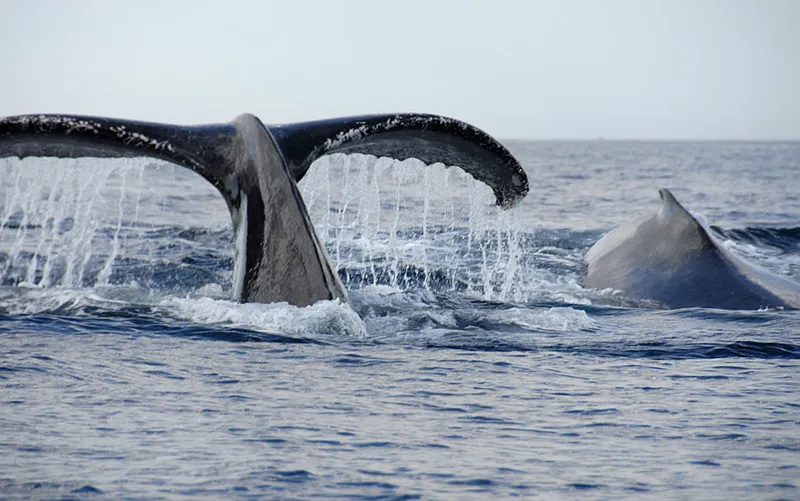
column 22, row 300
column 321, row 319
column 380, row 290
column 384, row 296
column 776, row 261
column 557, row 319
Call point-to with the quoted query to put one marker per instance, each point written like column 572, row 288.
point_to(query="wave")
column 382, row 315
column 689, row 351
column 784, row 239
column 136, row 322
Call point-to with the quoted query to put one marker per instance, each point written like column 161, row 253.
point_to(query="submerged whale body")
column 256, row 167
column 673, row 258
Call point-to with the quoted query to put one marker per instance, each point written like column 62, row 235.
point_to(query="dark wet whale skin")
column 255, row 167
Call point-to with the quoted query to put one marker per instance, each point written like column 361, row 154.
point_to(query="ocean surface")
column 470, row 363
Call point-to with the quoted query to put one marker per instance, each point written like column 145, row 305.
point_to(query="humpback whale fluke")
column 256, row 167
column 674, row 259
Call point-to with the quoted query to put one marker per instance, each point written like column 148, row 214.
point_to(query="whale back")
column 672, row 258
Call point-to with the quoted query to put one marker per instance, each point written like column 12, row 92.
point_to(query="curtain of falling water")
column 49, row 222
column 381, row 213
column 66, row 223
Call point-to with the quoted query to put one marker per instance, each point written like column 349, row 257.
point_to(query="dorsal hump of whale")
column 673, row 258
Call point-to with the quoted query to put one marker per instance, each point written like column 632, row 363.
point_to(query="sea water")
column 469, row 363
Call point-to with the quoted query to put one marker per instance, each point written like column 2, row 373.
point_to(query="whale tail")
column 256, row 167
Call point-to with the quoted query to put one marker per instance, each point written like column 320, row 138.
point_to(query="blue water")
column 470, row 362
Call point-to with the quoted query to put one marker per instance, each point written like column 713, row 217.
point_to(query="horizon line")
column 650, row 139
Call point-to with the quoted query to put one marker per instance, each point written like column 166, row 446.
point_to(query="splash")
column 50, row 221
column 69, row 223
column 402, row 224
column 318, row 321
column 91, row 223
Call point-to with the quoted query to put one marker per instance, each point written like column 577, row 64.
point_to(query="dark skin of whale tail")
column 673, row 258
column 430, row 138
column 256, row 168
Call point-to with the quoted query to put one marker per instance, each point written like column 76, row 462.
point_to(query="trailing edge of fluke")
column 256, row 168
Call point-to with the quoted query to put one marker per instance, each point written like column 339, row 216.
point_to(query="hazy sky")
column 532, row 69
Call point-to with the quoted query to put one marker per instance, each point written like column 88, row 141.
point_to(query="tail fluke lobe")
column 429, row 138
column 199, row 148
